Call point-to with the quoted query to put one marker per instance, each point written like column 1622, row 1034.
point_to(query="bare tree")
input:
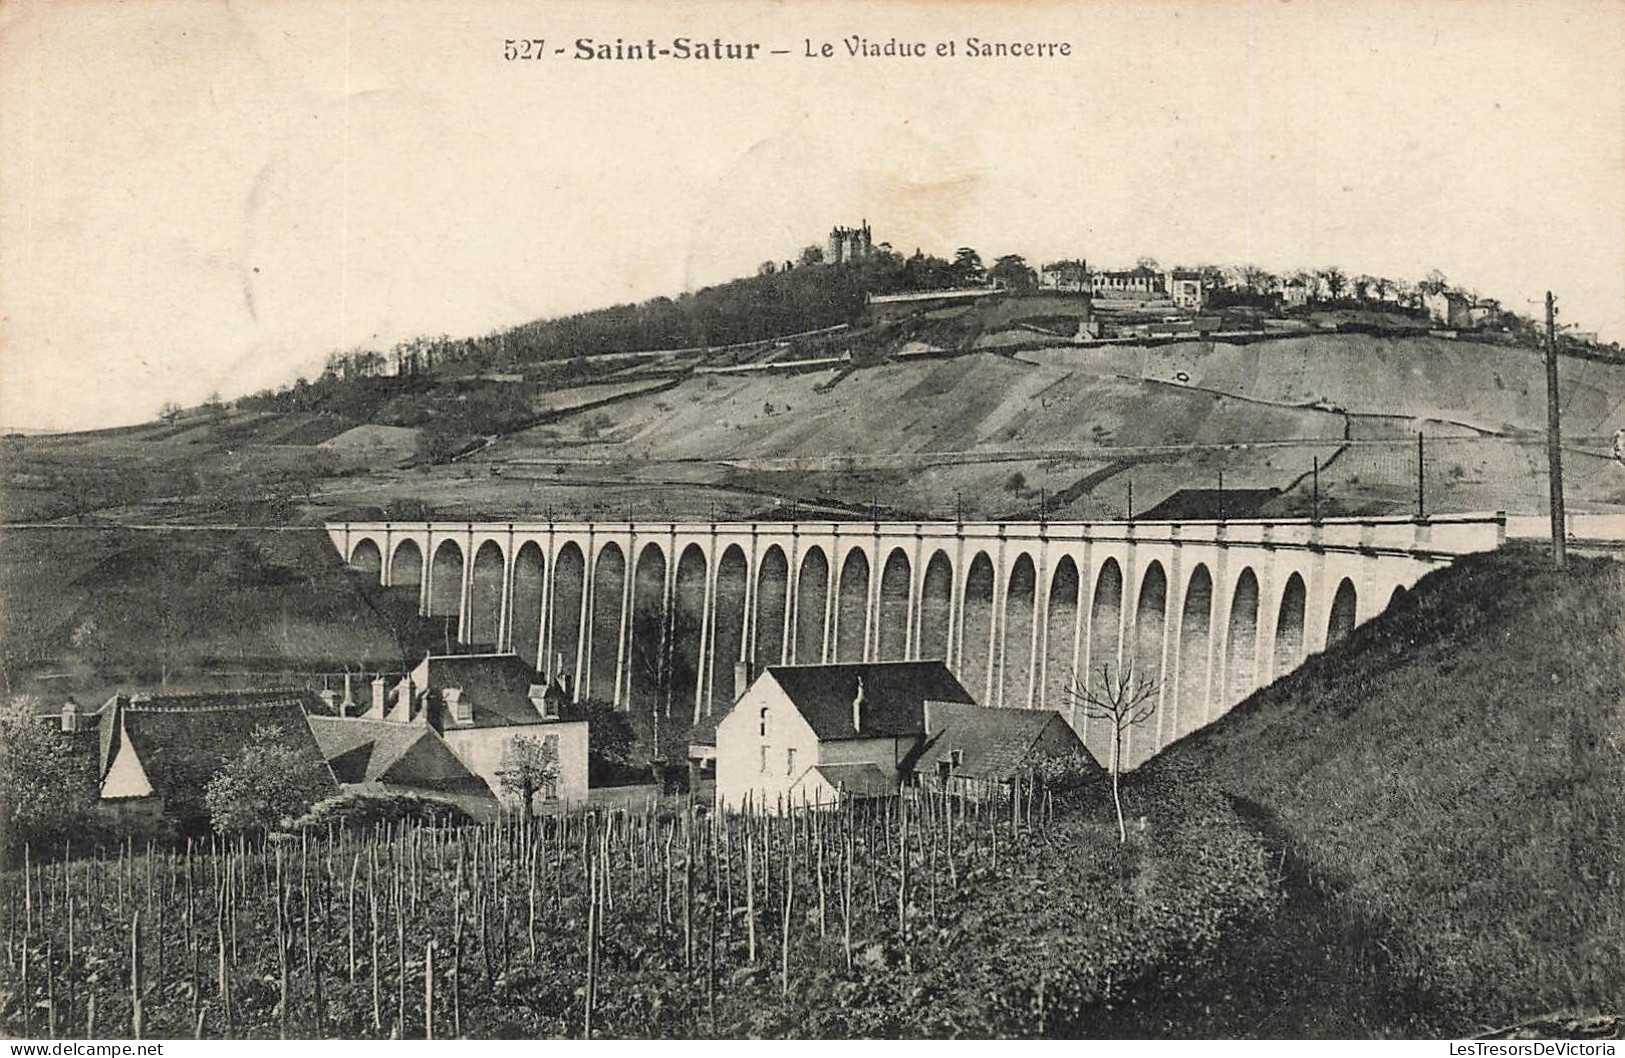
column 529, row 766
column 1122, row 700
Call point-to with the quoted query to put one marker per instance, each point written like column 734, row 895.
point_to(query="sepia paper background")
column 200, row 197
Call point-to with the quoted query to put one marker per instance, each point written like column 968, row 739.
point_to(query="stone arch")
column 1189, row 700
column 645, row 670
column 1289, row 627
column 1105, row 619
column 485, row 596
column 1020, row 596
column 525, row 593
column 852, row 606
column 564, row 618
column 936, row 608
column 446, row 580
column 812, row 602
column 687, row 621
column 1241, row 640
column 728, row 626
column 1060, row 635
column 772, row 591
column 1150, row 622
column 604, row 627
column 891, row 630
column 1344, row 605
column 406, row 566
column 1103, row 649
column 366, row 558
column 975, row 663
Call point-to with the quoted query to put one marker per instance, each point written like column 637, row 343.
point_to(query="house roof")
column 382, row 751
column 857, row 780
column 894, row 696
column 994, row 744
column 181, row 747
column 114, row 709
column 704, row 733
column 497, row 686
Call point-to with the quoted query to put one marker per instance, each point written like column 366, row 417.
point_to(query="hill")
column 91, row 611
column 920, row 409
column 1444, row 789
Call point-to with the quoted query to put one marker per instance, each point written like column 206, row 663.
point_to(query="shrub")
column 267, row 784
column 363, row 809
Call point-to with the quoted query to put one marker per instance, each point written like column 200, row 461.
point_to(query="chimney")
column 70, row 716
column 742, row 678
column 348, row 704
column 539, row 702
column 330, row 700
column 402, row 713
column 378, row 694
column 459, row 708
column 857, row 707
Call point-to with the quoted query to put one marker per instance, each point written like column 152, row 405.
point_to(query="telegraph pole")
column 1314, row 502
column 1554, row 439
column 1421, row 479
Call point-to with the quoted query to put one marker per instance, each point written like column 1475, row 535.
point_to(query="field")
column 929, row 917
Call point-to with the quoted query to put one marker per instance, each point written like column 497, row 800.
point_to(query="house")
column 465, row 708
column 1296, row 293
column 804, row 735
column 157, row 754
column 1140, row 282
column 977, row 752
column 1065, row 276
column 1185, row 288
column 1484, row 314
column 1448, row 308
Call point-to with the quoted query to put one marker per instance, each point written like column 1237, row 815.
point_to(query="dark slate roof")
column 894, row 696
column 371, row 751
column 181, row 747
column 704, row 733
column 858, row 780
column 114, row 708
column 496, row 685
column 994, row 744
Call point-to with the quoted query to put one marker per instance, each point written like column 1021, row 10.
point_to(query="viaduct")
column 657, row 615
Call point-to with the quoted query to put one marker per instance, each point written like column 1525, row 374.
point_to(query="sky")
column 211, row 197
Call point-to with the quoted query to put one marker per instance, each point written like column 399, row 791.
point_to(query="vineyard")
column 929, row 915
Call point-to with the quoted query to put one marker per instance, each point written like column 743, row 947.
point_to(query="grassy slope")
column 1447, row 785
column 110, row 608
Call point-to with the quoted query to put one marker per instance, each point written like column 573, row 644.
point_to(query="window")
column 789, row 762
column 764, row 760
column 957, row 757
column 761, row 720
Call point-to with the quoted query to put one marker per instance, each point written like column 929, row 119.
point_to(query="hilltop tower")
column 849, row 244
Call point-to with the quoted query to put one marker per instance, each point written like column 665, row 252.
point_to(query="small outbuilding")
column 977, row 752
column 158, row 754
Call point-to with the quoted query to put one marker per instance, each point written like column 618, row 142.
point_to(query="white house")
column 1185, row 288
column 810, row 735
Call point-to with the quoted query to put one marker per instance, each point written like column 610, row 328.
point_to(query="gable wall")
column 739, row 748
column 481, row 749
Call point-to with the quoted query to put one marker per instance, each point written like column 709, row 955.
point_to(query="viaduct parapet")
column 657, row 615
